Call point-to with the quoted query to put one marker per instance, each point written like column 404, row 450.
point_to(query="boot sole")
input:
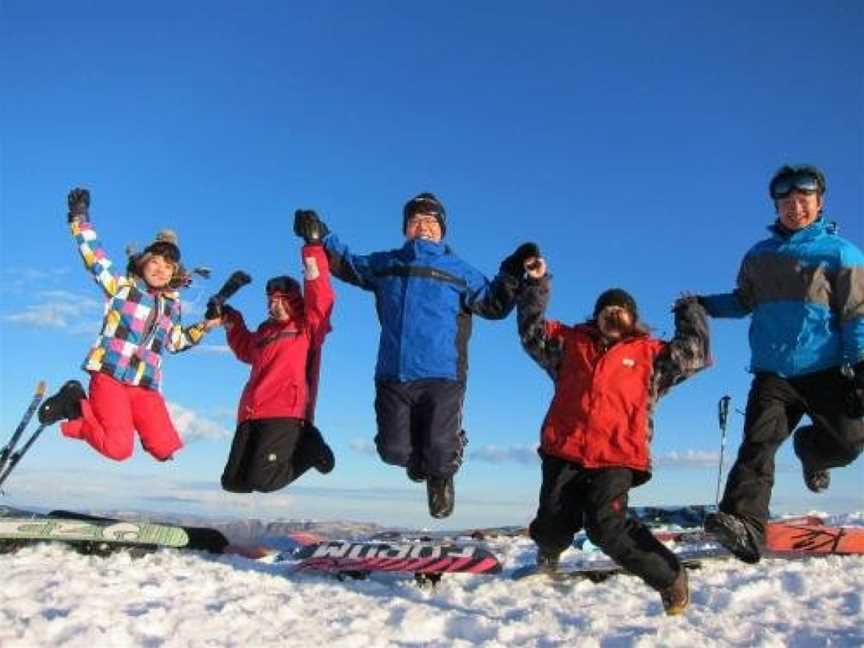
column 729, row 539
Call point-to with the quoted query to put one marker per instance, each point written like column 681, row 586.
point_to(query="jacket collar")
column 814, row 229
column 419, row 248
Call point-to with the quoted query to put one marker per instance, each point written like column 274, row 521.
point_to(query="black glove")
column 514, row 265
column 79, row 205
column 855, row 395
column 215, row 308
column 685, row 300
column 309, row 227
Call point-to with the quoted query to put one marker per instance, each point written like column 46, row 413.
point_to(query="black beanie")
column 425, row 203
column 283, row 284
column 616, row 297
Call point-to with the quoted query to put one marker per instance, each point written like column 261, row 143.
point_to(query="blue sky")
column 633, row 142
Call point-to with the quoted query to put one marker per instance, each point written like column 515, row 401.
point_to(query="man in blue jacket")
column 804, row 288
column 425, row 297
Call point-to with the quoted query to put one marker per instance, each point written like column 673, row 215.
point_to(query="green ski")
column 115, row 532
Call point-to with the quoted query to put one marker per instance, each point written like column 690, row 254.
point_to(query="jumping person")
column 594, row 442
column 425, row 297
column 804, row 289
column 276, row 441
column 142, row 320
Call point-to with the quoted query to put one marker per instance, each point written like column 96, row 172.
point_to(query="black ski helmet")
column 425, row 203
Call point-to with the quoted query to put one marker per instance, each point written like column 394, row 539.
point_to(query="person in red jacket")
column 276, row 441
column 608, row 374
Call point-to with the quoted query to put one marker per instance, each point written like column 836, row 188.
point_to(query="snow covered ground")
column 52, row 596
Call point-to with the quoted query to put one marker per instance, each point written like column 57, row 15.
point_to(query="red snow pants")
column 114, row 411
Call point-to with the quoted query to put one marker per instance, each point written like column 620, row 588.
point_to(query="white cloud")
column 60, row 309
column 521, row 454
column 364, row 446
column 212, row 348
column 688, row 459
column 195, row 427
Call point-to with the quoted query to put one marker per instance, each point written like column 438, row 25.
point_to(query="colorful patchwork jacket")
column 138, row 324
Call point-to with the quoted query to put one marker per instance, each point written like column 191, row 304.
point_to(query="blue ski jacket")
column 425, row 296
column 805, row 291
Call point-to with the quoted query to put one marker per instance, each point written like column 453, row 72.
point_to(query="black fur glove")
column 309, row 227
column 514, row 265
column 79, row 205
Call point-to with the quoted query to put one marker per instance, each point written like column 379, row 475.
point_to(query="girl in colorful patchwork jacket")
column 594, row 442
column 142, row 319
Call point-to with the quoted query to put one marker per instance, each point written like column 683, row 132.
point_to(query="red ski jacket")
column 282, row 353
column 601, row 413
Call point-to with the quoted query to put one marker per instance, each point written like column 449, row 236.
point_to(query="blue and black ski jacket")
column 425, row 296
column 805, row 290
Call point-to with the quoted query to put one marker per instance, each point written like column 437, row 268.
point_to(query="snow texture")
column 52, row 596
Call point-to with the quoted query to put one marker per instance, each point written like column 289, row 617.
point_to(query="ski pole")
column 13, row 461
column 722, row 416
column 28, row 414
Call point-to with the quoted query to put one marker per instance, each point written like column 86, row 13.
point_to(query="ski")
column 360, row 558
column 13, row 530
column 599, row 570
column 6, row 452
column 197, row 538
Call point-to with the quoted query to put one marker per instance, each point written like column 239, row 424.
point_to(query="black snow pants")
column 420, row 424
column 572, row 497
column 268, row 454
column 774, row 407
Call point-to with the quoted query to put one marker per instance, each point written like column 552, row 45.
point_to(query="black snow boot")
column 415, row 470
column 735, row 534
column 441, row 495
column 65, row 404
column 326, row 461
column 323, row 459
column 676, row 597
column 817, row 480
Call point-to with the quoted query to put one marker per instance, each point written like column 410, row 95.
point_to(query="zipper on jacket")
column 150, row 330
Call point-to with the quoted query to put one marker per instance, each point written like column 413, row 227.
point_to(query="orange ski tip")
column 41, row 387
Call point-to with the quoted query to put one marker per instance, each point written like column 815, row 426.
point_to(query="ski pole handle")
column 723, row 411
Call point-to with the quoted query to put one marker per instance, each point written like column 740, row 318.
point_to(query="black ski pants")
column 774, row 407
column 420, row 423
column 268, row 454
column 572, row 498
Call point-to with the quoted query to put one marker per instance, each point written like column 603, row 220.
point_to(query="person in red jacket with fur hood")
column 276, row 441
column 608, row 373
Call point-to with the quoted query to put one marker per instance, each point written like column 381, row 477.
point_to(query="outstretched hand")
column 78, row 201
column 309, row 227
column 535, row 267
column 514, row 265
column 684, row 299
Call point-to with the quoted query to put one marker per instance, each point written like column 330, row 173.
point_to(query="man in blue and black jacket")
column 425, row 297
column 804, row 289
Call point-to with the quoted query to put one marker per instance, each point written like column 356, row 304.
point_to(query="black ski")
column 235, row 282
column 7, row 450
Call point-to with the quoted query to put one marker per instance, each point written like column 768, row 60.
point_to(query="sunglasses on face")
column 784, row 185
